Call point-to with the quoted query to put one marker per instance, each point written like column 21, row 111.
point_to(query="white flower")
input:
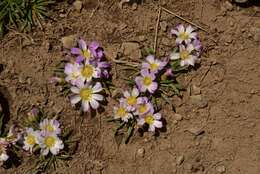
column 183, row 34
column 3, row 150
column 50, row 142
column 88, row 95
column 31, row 139
column 185, row 54
column 153, row 121
column 4, row 156
column 153, row 64
column 131, row 98
column 89, row 71
column 122, row 112
column 73, row 72
column 50, row 126
column 143, row 106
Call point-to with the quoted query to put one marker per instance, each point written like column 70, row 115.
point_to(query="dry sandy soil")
column 218, row 134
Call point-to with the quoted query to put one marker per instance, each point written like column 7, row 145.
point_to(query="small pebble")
column 180, row 160
column 199, row 101
column 68, row 41
column 134, row 6
column 78, row 5
column 178, row 117
column 195, row 90
column 164, row 26
column 140, row 152
column 221, row 169
column 228, row 6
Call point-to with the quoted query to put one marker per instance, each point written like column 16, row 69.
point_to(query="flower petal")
column 158, row 124
column 98, row 97
column 97, row 87
column 180, row 28
column 175, row 56
column 94, row 104
column 135, row 92
column 85, row 106
column 75, row 51
column 174, row 32
column 75, row 99
column 82, row 44
column 75, row 90
column 189, row 29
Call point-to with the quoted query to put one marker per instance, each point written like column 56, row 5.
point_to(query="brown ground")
column 228, row 77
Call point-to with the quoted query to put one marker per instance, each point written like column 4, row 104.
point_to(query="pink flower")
column 146, row 81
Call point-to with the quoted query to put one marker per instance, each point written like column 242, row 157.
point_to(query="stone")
column 68, row 41
column 221, row 169
column 195, row 90
column 241, row 1
column 140, row 152
column 199, row 101
column 111, row 52
column 228, row 6
column 180, row 159
column 134, row 6
column 178, row 117
column 188, row 166
column 196, row 131
column 164, row 26
column 78, row 5
column 131, row 49
column 257, row 37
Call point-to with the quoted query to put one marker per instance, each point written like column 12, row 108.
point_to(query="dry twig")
column 156, row 30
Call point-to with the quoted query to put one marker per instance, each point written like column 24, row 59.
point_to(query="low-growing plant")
column 23, row 14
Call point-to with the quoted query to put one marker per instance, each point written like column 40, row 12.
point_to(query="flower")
column 82, row 52
column 143, row 106
column 73, row 72
column 104, row 66
column 13, row 135
column 152, row 120
column 122, row 112
column 50, row 142
column 31, row 139
column 50, row 126
column 87, row 94
column 146, row 81
column 154, row 65
column 3, row 150
column 185, row 54
column 33, row 115
column 131, row 99
column 89, row 71
column 183, row 34
column 197, row 46
column 96, row 50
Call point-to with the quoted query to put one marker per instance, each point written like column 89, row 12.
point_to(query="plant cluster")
column 23, row 14
column 86, row 75
column 157, row 79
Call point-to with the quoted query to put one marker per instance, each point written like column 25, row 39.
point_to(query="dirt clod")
column 199, row 101
column 140, row 152
column 178, row 117
column 131, row 49
column 78, row 5
column 68, row 41
column 164, row 26
column 180, row 159
column 221, row 169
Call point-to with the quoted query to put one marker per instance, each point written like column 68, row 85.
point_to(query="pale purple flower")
column 185, row 54
column 96, row 50
column 197, row 46
column 152, row 120
column 82, row 52
column 50, row 126
column 184, row 34
column 88, row 95
column 13, row 135
column 168, row 72
column 104, row 67
column 73, row 72
column 131, row 99
column 154, row 65
column 122, row 112
column 146, row 81
column 143, row 106
column 89, row 71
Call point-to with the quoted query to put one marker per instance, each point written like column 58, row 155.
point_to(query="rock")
column 241, row 1
column 68, row 41
column 111, row 52
column 188, row 167
column 140, row 152
column 195, row 90
column 164, row 26
column 257, row 37
column 199, row 101
column 141, row 38
column 180, row 159
column 228, row 6
column 196, row 131
column 78, row 5
column 131, row 49
column 178, row 117
column 134, row 6
column 221, row 169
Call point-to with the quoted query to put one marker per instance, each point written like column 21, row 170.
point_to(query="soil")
column 219, row 133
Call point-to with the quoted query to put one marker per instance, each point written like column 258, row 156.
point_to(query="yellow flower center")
column 184, row 54
column 49, row 141
column 87, row 71
column 121, row 112
column 131, row 100
column 149, row 119
column 31, row 140
column 86, row 54
column 142, row 108
column 86, row 94
column 147, row 81
column 49, row 128
column 154, row 66
column 184, row 36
